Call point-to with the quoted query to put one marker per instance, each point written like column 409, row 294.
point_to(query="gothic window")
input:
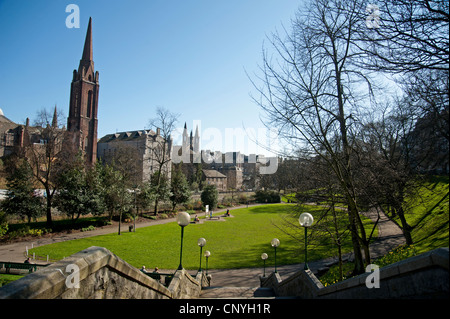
column 76, row 105
column 89, row 106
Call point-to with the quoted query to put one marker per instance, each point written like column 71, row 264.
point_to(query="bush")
column 210, row 196
column 3, row 229
column 3, row 224
column 27, row 231
column 89, row 228
column 242, row 199
column 267, row 197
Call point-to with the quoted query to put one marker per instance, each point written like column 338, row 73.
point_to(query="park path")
column 389, row 237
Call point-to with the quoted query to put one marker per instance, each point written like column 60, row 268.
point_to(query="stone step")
column 236, row 292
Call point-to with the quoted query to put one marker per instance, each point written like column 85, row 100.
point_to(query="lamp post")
column 264, row 256
column 201, row 242
column 275, row 243
column 306, row 220
column 183, row 219
column 207, row 254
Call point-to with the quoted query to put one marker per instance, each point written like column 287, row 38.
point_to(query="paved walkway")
column 389, row 237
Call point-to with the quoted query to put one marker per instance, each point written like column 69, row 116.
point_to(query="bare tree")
column 315, row 95
column 410, row 36
column 164, row 124
column 48, row 154
column 411, row 41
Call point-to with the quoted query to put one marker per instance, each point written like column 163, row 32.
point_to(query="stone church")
column 82, row 121
column 83, row 104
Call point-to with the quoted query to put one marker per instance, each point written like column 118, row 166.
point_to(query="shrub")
column 3, row 229
column 89, row 228
column 267, row 197
column 210, row 196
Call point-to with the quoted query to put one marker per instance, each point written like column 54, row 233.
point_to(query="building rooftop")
column 213, row 173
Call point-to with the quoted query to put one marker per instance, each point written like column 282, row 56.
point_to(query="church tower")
column 83, row 105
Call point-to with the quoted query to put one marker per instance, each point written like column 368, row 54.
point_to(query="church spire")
column 87, row 51
column 83, row 110
column 86, row 68
column 55, row 118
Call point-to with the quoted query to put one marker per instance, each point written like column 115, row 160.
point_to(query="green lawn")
column 428, row 214
column 235, row 243
column 7, row 278
column 240, row 240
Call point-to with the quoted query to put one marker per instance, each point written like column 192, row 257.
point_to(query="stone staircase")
column 236, row 293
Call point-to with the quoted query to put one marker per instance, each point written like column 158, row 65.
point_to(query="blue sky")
column 189, row 56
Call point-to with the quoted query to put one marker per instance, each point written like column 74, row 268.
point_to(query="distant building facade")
column 238, row 171
column 14, row 137
column 147, row 151
column 213, row 177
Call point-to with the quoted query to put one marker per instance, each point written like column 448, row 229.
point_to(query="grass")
column 428, row 214
column 237, row 242
column 7, row 278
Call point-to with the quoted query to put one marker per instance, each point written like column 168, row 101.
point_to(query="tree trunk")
column 120, row 220
column 156, row 206
column 406, row 228
column 341, row 272
column 359, row 265
column 49, row 223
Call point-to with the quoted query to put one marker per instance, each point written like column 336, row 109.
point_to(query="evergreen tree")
column 210, row 196
column 22, row 200
column 80, row 191
column 160, row 188
column 179, row 188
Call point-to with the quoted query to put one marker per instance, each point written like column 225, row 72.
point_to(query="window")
column 89, row 106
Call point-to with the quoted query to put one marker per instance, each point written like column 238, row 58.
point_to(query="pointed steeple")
column 87, row 51
column 83, row 110
column 185, row 137
column 196, row 146
column 86, row 68
column 196, row 132
column 55, row 118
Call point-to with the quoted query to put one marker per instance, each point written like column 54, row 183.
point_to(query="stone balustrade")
column 96, row 273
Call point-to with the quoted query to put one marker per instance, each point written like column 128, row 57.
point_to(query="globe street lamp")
column 207, row 254
column 275, row 243
column 201, row 242
column 183, row 219
column 264, row 256
column 306, row 220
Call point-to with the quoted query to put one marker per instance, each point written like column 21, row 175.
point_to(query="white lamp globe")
column 264, row 256
column 306, row 219
column 275, row 242
column 207, row 253
column 183, row 219
column 201, row 242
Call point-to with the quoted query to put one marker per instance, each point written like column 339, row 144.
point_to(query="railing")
column 19, row 266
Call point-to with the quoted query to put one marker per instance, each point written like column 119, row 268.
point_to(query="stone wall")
column 302, row 283
column 423, row 276
column 96, row 273
column 184, row 286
